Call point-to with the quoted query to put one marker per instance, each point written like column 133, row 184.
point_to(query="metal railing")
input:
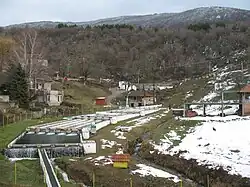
column 50, row 176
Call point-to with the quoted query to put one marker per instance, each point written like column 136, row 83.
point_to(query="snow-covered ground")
column 217, row 142
column 101, row 160
column 222, row 81
column 145, row 170
column 215, row 110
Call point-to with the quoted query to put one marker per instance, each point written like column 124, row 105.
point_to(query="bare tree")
column 5, row 51
column 84, row 70
column 29, row 53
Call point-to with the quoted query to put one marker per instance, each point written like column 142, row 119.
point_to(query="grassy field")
column 196, row 88
column 29, row 172
column 155, row 129
column 78, row 93
column 9, row 132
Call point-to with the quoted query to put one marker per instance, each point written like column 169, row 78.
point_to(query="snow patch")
column 145, row 170
column 217, row 142
column 107, row 143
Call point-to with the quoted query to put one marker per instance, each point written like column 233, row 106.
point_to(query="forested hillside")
column 151, row 53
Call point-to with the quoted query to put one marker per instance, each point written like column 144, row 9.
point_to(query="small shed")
column 100, row 101
column 89, row 146
column 120, row 160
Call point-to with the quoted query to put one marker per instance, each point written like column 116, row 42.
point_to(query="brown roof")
column 140, row 94
column 245, row 89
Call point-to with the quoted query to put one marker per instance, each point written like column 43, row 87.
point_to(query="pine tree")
column 17, row 86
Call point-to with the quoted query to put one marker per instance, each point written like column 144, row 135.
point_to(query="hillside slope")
column 204, row 14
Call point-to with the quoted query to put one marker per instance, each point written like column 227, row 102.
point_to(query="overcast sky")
column 19, row 11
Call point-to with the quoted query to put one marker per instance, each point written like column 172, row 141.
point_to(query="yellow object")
column 181, row 185
column 93, row 179
column 15, row 172
column 120, row 164
column 131, row 182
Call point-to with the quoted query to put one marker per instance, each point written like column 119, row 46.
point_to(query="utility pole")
column 222, row 103
column 138, row 77
column 242, row 72
column 154, row 85
column 144, row 102
column 209, row 67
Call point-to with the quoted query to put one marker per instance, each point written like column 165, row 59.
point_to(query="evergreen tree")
column 17, row 86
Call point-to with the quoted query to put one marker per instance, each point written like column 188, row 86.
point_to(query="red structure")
column 190, row 113
column 120, row 160
column 100, row 101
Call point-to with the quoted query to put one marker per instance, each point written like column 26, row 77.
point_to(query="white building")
column 124, row 85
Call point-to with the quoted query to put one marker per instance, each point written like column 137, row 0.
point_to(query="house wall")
column 148, row 100
column 4, row 98
column 54, row 98
column 47, row 86
column 140, row 101
column 123, row 85
column 43, row 86
column 41, row 99
column 100, row 101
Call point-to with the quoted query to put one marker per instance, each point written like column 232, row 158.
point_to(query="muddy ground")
column 191, row 169
column 82, row 171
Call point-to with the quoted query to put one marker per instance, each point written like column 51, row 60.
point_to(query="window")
column 59, row 98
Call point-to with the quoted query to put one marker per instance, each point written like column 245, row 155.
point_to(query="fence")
column 131, row 183
column 9, row 118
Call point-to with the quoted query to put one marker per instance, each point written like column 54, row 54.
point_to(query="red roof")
column 245, row 89
column 121, row 158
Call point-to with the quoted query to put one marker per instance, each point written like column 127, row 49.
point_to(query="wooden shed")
column 100, row 101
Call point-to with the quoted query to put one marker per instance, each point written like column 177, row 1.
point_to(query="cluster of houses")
column 40, row 89
column 142, row 94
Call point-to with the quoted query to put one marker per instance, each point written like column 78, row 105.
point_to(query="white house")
column 45, row 94
column 124, row 85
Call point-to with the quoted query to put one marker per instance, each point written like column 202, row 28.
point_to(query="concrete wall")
column 142, row 100
column 47, row 86
column 55, row 98
column 47, row 180
column 89, row 147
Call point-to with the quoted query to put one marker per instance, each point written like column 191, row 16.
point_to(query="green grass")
column 28, row 172
column 176, row 96
column 9, row 132
column 77, row 93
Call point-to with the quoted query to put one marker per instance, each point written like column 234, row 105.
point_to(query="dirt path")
column 115, row 92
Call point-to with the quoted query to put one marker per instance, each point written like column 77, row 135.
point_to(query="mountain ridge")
column 201, row 14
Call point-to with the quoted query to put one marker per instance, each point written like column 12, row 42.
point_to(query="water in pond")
column 49, row 138
column 21, row 153
column 74, row 151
